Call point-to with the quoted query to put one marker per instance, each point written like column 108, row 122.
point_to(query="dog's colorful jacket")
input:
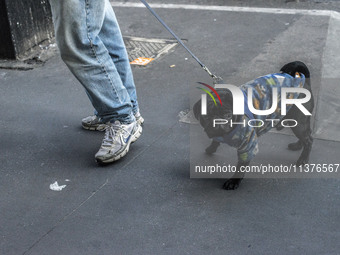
column 245, row 138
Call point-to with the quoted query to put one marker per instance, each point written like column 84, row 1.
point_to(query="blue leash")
column 215, row 77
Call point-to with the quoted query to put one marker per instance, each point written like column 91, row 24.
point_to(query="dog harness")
column 245, row 137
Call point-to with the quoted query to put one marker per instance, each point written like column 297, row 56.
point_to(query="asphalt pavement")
column 146, row 203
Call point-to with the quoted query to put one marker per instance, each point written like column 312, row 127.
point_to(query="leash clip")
column 217, row 79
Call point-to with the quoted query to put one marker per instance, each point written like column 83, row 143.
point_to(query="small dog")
column 244, row 137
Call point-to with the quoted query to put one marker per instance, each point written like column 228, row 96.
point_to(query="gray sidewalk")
column 146, row 203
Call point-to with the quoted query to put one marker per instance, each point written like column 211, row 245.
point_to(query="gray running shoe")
column 139, row 118
column 93, row 122
column 117, row 140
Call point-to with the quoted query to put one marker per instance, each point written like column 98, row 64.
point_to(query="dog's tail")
column 296, row 66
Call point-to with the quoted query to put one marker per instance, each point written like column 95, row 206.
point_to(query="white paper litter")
column 187, row 116
column 55, row 186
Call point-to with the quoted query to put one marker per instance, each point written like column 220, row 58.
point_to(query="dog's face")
column 224, row 112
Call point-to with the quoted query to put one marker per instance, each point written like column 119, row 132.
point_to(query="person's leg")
column 78, row 26
column 118, row 53
column 119, row 57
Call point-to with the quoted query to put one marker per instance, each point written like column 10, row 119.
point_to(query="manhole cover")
column 143, row 50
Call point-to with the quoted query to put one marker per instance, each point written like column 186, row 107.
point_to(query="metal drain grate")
column 150, row 49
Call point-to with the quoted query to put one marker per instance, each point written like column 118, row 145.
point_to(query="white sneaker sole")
column 133, row 139
column 98, row 127
column 140, row 120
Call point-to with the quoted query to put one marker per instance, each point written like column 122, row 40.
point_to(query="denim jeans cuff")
column 127, row 120
column 135, row 111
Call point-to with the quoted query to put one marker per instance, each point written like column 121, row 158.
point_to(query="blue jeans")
column 91, row 45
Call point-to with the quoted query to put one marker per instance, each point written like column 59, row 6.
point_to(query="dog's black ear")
column 197, row 109
column 296, row 66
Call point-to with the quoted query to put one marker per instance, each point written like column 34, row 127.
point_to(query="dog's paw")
column 295, row 146
column 279, row 127
column 212, row 148
column 231, row 184
column 302, row 161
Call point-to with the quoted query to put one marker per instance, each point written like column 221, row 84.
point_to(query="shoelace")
column 113, row 131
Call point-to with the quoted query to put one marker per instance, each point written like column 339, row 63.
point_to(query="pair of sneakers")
column 117, row 139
